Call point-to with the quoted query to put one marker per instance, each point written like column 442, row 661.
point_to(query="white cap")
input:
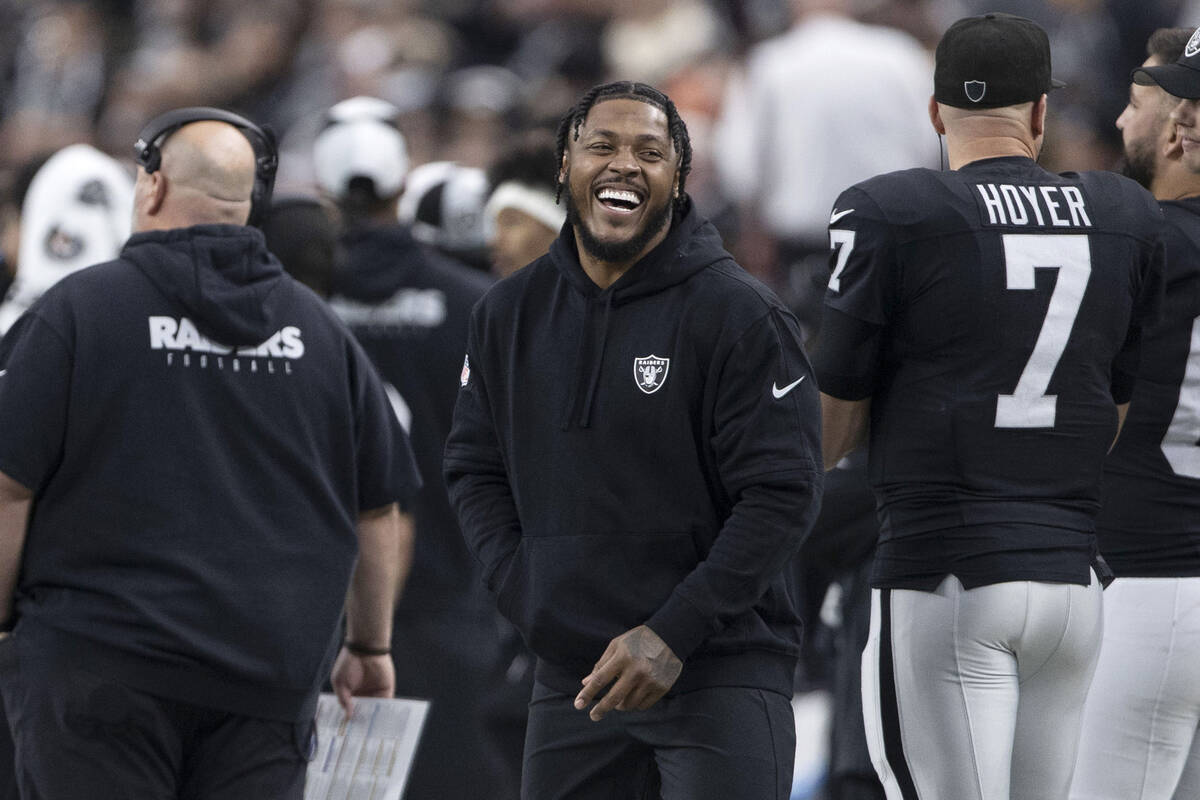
column 361, row 141
column 443, row 205
column 77, row 212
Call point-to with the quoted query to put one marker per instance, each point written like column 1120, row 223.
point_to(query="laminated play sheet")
column 368, row 756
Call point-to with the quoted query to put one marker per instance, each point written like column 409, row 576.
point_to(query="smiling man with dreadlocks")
column 634, row 458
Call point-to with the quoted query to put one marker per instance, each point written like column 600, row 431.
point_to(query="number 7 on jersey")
column 1029, row 406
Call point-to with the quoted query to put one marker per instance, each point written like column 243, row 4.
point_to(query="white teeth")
column 619, row 196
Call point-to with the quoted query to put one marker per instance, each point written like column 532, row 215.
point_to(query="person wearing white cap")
column 408, row 306
column 77, row 212
column 442, row 204
column 360, row 157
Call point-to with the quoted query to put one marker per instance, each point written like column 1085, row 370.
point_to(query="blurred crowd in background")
column 471, row 76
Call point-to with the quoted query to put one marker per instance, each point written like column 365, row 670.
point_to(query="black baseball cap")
column 991, row 61
column 1182, row 78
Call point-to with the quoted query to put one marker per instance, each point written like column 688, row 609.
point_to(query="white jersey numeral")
column 1181, row 445
column 1029, row 406
column 846, row 240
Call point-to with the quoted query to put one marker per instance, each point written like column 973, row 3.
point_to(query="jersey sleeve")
column 36, row 361
column 1148, row 306
column 387, row 471
column 847, row 356
column 859, row 300
column 864, row 280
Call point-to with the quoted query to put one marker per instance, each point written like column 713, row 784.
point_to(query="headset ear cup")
column 264, row 175
column 146, row 155
column 153, row 158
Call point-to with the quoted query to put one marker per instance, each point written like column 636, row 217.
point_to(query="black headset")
column 147, row 151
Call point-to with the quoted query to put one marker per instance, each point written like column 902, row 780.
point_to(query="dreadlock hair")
column 627, row 90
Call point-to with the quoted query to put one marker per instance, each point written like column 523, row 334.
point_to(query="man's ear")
column 156, row 194
column 562, row 169
column 1037, row 121
column 935, row 117
column 1172, row 144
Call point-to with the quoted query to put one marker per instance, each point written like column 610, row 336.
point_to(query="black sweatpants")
column 722, row 743
column 79, row 736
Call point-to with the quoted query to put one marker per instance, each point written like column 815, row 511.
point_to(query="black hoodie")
column 648, row 453
column 200, row 433
column 408, row 307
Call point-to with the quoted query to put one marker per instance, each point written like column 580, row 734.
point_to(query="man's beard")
column 623, row 251
column 1139, row 164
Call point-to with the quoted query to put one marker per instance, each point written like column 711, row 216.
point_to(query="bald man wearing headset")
column 200, row 466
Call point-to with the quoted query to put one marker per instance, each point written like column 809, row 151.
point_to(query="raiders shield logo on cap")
column 650, row 372
column 975, row 90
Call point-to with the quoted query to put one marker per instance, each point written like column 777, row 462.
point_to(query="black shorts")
column 80, row 736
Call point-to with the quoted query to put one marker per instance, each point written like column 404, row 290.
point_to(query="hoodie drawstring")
column 585, row 419
column 580, row 364
column 587, row 354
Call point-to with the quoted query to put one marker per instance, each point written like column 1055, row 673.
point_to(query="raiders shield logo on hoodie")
column 650, row 372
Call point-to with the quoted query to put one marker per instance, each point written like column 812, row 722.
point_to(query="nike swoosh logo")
column 778, row 393
column 836, row 215
column 3, row 372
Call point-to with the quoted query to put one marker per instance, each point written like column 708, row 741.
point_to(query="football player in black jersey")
column 983, row 323
column 1139, row 732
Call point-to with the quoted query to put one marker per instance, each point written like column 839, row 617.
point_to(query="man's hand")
column 362, row 676
column 643, row 668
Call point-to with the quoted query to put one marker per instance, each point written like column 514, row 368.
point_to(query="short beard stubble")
column 622, row 251
column 1139, row 164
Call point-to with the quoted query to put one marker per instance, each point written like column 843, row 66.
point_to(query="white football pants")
column 978, row 694
column 1139, row 737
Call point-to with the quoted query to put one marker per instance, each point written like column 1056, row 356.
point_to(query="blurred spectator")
column 698, row 90
column 88, row 70
column 60, row 63
column 398, row 52
column 227, row 53
column 522, row 215
column 77, row 212
column 558, row 57
column 829, row 103
column 443, row 205
column 16, row 188
column 478, row 108
column 302, row 232
column 917, row 18
column 648, row 40
column 408, row 306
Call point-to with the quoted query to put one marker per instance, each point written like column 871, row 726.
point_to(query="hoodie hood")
column 76, row 213
column 375, row 262
column 222, row 274
column 692, row 244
